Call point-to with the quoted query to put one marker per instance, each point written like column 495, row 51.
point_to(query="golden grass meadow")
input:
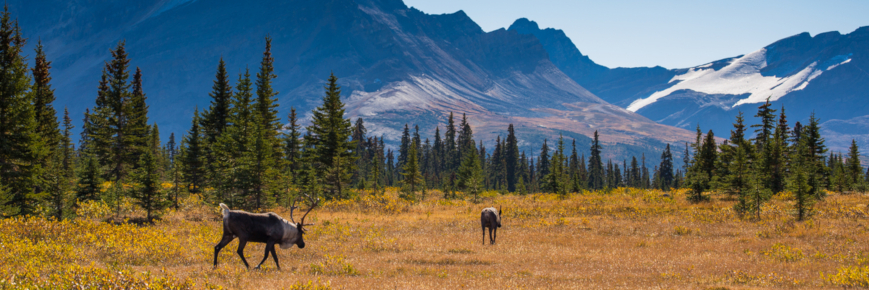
column 618, row 239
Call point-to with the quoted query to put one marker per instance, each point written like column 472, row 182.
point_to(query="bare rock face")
column 395, row 64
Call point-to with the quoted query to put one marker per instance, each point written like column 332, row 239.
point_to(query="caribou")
column 490, row 218
column 268, row 228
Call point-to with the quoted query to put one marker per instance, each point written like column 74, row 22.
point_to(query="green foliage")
column 595, row 165
column 148, row 191
column 89, row 180
column 193, row 157
column 21, row 149
column 558, row 179
column 470, row 175
column 329, row 139
column 412, row 177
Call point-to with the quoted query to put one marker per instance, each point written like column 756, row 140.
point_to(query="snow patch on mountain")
column 741, row 76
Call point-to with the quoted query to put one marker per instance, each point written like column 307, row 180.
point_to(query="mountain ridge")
column 395, row 63
column 823, row 75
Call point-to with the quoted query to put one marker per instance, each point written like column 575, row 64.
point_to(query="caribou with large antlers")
column 268, row 228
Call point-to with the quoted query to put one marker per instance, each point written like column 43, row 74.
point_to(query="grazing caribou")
column 268, row 228
column 490, row 218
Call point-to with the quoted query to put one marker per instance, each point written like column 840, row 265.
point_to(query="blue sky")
column 672, row 34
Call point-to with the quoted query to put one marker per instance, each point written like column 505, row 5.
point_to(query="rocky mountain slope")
column 825, row 74
column 396, row 64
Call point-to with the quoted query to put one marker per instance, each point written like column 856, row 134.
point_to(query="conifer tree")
column 557, row 181
column 266, row 100
column 543, row 160
column 330, row 136
column 292, row 144
column 216, row 118
column 855, row 171
column 451, row 158
column 194, row 157
column 261, row 166
column 666, row 169
column 231, row 148
column 404, row 147
column 511, row 159
column 21, row 148
column 60, row 174
column 814, row 156
column 756, row 195
column 137, row 130
column 117, row 145
column 412, row 176
column 737, row 183
column 595, row 165
column 800, row 181
column 148, row 192
column 43, row 97
column 470, row 174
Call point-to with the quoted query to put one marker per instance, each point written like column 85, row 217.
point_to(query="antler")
column 314, row 204
column 293, row 208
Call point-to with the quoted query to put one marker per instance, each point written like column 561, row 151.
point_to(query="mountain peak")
column 524, row 26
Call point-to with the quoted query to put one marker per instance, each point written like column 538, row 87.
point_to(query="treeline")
column 779, row 158
column 238, row 151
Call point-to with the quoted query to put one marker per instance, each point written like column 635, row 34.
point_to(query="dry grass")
column 623, row 239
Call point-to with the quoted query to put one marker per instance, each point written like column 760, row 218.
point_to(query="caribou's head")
column 294, row 232
column 499, row 216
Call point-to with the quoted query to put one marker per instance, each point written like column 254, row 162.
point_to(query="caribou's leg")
column 240, row 251
column 491, row 237
column 275, row 256
column 225, row 240
column 495, row 238
column 265, row 255
column 484, row 236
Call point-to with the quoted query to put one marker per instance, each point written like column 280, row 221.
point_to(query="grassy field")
column 621, row 239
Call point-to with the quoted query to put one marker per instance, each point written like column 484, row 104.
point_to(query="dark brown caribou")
column 490, row 218
column 268, row 228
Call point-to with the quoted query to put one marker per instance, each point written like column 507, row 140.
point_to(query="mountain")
column 396, row 65
column 825, row 74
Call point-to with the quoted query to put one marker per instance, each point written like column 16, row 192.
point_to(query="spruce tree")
column 137, row 129
column 854, row 170
column 404, row 146
column 292, row 144
column 666, row 169
column 215, row 119
column 266, row 99
column 330, row 137
column 543, row 160
column 814, row 156
column 756, row 195
column 411, row 172
column 21, row 148
column 470, row 174
column 737, row 183
column 118, row 146
column 194, row 157
column 43, row 97
column 148, row 192
column 801, row 182
column 60, row 173
column 89, row 180
column 511, row 159
column 451, row 158
column 595, row 165
column 262, row 174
